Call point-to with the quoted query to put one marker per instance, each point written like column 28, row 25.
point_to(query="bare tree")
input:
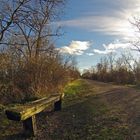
column 136, row 41
column 29, row 25
column 111, row 60
column 35, row 66
column 9, row 12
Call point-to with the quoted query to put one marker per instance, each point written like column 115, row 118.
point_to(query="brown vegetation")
column 30, row 65
column 122, row 70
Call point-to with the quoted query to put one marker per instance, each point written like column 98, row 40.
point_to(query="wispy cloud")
column 115, row 21
column 75, row 48
column 104, row 24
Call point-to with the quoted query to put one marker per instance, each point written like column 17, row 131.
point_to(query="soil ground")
column 91, row 111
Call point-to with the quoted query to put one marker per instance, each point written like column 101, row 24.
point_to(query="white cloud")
column 113, row 47
column 90, row 54
column 103, row 51
column 75, row 47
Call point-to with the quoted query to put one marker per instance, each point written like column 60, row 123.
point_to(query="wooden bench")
column 26, row 112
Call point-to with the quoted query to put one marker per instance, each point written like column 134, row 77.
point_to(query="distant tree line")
column 30, row 65
column 122, row 70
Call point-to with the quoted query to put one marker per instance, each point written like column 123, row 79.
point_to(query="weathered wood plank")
column 25, row 111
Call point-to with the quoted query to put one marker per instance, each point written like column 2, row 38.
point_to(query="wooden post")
column 30, row 127
column 57, row 105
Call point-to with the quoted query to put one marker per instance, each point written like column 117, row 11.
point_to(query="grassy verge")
column 88, row 117
column 75, row 88
column 74, row 91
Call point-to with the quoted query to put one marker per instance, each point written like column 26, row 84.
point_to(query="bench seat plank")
column 25, row 111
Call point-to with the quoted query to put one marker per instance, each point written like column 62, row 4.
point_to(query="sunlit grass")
column 75, row 87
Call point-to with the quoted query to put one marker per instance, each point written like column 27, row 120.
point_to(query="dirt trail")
column 104, row 112
column 126, row 99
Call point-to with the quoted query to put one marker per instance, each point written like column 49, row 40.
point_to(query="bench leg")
column 30, row 127
column 57, row 105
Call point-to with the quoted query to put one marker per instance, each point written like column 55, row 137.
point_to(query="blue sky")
column 94, row 28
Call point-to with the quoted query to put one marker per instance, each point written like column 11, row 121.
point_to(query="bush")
column 27, row 80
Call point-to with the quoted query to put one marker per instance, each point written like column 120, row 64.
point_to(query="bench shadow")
column 18, row 136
